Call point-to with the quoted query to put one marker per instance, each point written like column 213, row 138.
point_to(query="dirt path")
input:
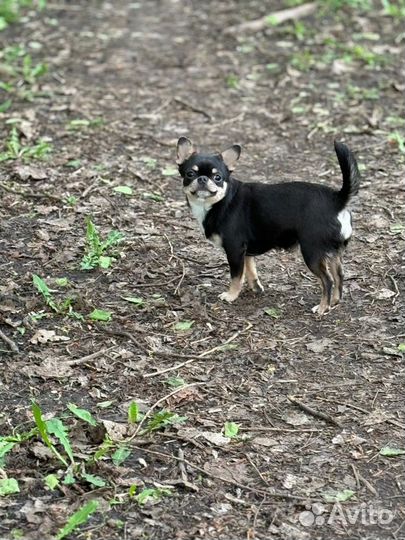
column 137, row 75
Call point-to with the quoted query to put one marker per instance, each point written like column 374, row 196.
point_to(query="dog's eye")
column 190, row 174
column 217, row 178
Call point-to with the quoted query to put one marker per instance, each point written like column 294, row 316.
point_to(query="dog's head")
column 205, row 177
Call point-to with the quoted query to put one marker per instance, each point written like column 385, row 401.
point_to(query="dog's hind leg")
column 251, row 275
column 318, row 266
column 336, row 269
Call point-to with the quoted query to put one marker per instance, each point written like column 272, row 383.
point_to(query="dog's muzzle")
column 203, row 187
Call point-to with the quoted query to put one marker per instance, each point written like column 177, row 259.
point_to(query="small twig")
column 176, row 290
column 282, row 430
column 394, row 299
column 359, row 478
column 89, row 357
column 226, row 480
column 88, row 189
column 313, row 412
column 157, row 403
column 277, row 17
column 356, row 475
column 13, row 346
column 198, row 357
column 123, row 333
column 182, row 468
column 257, row 470
column 192, row 108
column 364, row 411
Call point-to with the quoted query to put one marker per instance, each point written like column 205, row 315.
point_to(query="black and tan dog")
column 248, row 219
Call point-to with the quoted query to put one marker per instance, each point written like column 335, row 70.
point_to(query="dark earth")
column 316, row 400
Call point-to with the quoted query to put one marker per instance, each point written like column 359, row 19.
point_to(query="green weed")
column 78, row 518
column 11, row 10
column 368, row 94
column 162, row 419
column 81, row 123
column 302, row 60
column 65, row 307
column 232, row 81
column 394, row 9
column 15, row 150
column 96, row 247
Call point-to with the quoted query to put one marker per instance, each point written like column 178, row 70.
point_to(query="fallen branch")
column 88, row 358
column 272, row 19
column 313, row 412
column 199, row 356
column 9, row 342
column 269, row 493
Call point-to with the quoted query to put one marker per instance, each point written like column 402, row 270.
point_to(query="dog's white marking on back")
column 199, row 209
column 216, row 240
column 344, row 218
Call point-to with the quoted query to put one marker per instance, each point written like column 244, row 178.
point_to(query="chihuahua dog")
column 249, row 219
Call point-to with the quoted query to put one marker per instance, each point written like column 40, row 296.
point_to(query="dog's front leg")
column 236, row 260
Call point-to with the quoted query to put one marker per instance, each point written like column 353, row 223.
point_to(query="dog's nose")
column 202, row 181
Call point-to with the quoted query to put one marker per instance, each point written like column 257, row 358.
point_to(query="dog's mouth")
column 203, row 193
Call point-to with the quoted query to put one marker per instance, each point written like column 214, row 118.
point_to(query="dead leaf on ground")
column 296, row 419
column 43, row 336
column 215, row 438
column 30, row 172
column 118, row 431
column 319, row 345
column 50, row 368
column 185, row 395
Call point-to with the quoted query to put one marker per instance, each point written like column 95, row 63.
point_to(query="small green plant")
column 71, row 200
column 395, row 10
column 15, row 150
column 302, row 60
column 65, row 307
column 82, row 123
column 231, row 430
column 364, row 54
column 43, row 428
column 154, row 494
column 232, row 81
column 368, row 94
column 78, row 518
column 32, row 72
column 96, row 247
column 11, row 10
column 162, row 419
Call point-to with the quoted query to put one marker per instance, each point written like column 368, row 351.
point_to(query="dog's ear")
column 185, row 149
column 231, row 156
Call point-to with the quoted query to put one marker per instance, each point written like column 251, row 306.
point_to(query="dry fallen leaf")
column 117, row 431
column 319, row 345
column 43, row 336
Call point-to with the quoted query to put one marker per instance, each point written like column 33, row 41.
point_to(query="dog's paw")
column 228, row 297
column 257, row 287
column 318, row 310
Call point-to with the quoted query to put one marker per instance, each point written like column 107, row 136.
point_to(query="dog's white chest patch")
column 345, row 220
column 199, row 209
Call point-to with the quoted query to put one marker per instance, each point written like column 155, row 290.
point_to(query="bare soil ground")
column 153, row 71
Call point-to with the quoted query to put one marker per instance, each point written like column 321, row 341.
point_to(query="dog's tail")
column 350, row 172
